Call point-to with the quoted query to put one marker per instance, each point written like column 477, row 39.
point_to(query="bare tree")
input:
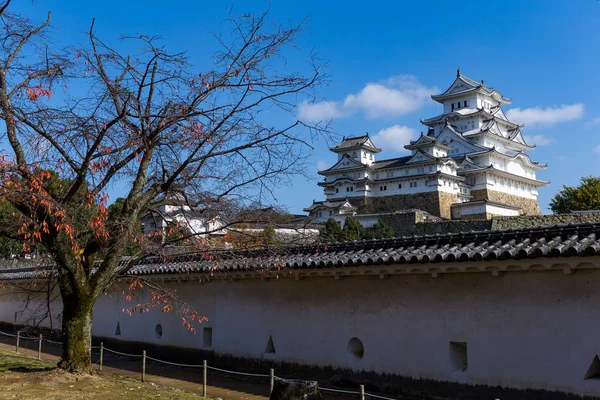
column 81, row 120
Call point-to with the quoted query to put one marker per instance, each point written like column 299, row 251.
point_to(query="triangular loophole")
column 593, row 371
column 270, row 346
column 118, row 330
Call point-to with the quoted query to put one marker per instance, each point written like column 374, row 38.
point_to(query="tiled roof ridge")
column 571, row 239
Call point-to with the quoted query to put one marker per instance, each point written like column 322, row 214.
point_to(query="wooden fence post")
column 144, row 366
column 362, row 392
column 40, row 348
column 101, row 354
column 272, row 379
column 204, row 378
column 18, row 338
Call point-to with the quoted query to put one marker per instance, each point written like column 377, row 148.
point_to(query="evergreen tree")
column 379, row 231
column 333, row 231
column 586, row 196
column 353, row 230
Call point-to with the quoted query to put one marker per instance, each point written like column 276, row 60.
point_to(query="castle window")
column 354, row 155
column 465, row 103
column 399, row 186
column 430, row 169
column 370, row 156
column 337, row 190
column 458, row 105
column 452, row 106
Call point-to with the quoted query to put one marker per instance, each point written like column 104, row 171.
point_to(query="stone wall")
column 526, row 221
column 426, row 201
column 528, row 206
column 413, row 223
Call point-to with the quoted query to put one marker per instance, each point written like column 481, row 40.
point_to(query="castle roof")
column 357, row 142
column 491, row 168
column 463, row 85
column 426, row 141
column 329, row 204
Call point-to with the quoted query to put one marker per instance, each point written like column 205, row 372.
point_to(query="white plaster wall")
column 536, row 329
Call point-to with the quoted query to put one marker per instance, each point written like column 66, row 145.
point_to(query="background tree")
column 148, row 122
column 380, row 230
column 332, row 232
column 353, row 230
column 586, row 196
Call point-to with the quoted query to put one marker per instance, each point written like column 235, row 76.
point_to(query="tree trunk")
column 76, row 335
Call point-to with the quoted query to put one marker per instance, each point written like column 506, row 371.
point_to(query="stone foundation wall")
column 428, row 201
column 528, row 206
column 527, row 221
column 413, row 223
column 435, row 203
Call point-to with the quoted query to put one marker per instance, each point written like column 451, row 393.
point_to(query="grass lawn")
column 24, row 377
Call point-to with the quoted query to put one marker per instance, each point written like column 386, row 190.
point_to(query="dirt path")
column 220, row 385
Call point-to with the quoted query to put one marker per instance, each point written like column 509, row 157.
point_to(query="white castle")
column 472, row 163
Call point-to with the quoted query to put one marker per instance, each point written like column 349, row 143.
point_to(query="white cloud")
column 322, row 164
column 392, row 97
column 597, row 149
column 315, row 112
column 395, row 137
column 546, row 116
column 593, row 122
column 539, row 140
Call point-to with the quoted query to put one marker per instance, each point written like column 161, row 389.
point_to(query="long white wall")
column 536, row 329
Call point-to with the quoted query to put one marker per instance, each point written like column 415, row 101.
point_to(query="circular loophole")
column 158, row 331
column 356, row 348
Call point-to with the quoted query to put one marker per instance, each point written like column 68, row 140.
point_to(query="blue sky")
column 385, row 58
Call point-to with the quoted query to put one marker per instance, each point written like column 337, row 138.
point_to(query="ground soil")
column 220, row 385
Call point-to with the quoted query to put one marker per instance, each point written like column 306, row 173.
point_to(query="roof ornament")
column 458, row 72
column 482, row 82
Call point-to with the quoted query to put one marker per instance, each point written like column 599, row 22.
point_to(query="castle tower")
column 490, row 149
column 471, row 164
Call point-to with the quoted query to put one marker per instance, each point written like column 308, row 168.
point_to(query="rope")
column 123, row 354
column 378, row 397
column 175, row 364
column 7, row 334
column 29, row 338
column 338, row 391
column 238, row 373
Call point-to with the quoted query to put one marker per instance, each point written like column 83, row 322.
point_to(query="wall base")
column 393, row 385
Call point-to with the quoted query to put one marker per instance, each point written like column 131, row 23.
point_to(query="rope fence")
column 361, row 394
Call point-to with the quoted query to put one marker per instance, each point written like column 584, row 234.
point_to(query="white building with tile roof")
column 471, row 159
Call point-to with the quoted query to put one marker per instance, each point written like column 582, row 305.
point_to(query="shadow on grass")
column 14, row 362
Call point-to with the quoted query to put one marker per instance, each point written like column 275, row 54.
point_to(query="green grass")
column 24, row 377
column 14, row 362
